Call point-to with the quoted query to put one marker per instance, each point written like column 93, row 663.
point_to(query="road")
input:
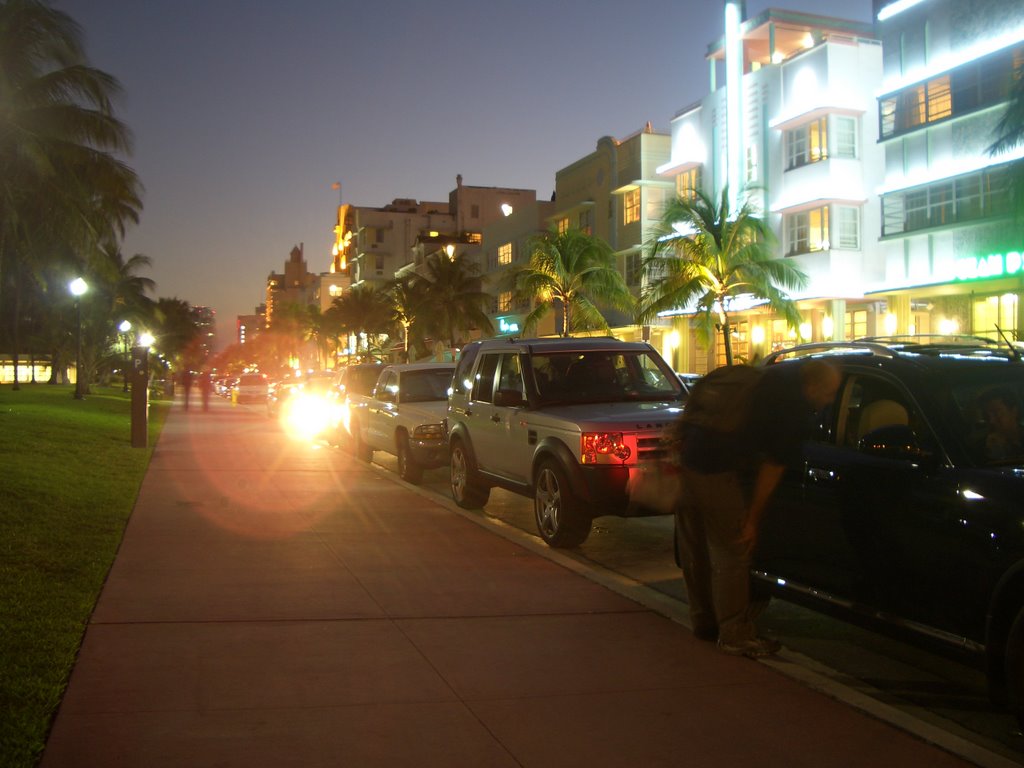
column 914, row 683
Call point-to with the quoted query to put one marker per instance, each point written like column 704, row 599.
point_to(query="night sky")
column 245, row 113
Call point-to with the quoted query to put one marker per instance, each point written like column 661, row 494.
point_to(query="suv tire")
column 561, row 521
column 467, row 490
column 408, row 469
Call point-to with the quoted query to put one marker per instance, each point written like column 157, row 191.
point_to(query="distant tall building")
column 296, row 285
column 206, row 320
column 251, row 326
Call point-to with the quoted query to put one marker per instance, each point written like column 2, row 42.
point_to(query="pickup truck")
column 404, row 416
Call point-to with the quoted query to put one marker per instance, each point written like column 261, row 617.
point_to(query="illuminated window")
column 979, row 84
column 562, row 226
column 807, row 231
column 505, row 253
column 807, row 144
column 505, row 301
column 688, row 183
column 631, row 206
column 856, row 324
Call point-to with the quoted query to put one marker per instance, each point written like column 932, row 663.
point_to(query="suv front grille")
column 651, row 448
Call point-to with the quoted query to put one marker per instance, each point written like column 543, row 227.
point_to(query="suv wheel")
column 560, row 518
column 408, row 469
column 467, row 490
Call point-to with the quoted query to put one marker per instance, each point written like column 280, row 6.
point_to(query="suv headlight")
column 596, row 446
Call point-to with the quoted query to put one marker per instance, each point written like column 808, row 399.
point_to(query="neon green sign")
column 988, row 267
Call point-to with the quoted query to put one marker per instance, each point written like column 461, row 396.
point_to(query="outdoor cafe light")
column 78, row 288
column 450, row 251
column 146, row 339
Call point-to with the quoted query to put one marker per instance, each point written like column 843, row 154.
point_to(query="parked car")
column 907, row 511
column 564, row 421
column 404, row 416
column 250, row 388
column 351, row 383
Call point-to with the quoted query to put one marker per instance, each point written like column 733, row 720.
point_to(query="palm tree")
column 408, row 295
column 452, row 293
column 575, row 271
column 361, row 311
column 707, row 255
column 60, row 184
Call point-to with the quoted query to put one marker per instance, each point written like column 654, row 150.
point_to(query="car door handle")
column 496, row 418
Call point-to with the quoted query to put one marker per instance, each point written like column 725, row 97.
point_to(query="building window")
column 847, row 228
column 950, row 201
column 584, row 222
column 751, row 164
column 844, row 137
column 562, row 226
column 505, row 253
column 856, row 324
column 688, row 183
column 631, row 206
column 807, row 231
column 634, row 267
column 505, row 301
column 474, row 211
column 976, row 85
column 807, row 144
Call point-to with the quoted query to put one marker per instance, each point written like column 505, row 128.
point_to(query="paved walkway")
column 278, row 605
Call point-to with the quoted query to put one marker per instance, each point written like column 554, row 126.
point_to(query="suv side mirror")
column 509, row 398
column 894, row 442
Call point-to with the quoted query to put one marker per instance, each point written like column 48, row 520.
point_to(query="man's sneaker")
column 757, row 648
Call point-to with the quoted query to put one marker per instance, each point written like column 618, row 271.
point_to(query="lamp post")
column 78, row 287
column 124, row 327
column 140, row 391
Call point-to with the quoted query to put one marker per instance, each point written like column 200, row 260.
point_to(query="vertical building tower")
column 952, row 256
column 788, row 125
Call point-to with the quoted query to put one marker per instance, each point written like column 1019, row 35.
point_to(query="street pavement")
column 279, row 604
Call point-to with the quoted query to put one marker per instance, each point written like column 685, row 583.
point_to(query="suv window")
column 483, row 387
column 511, row 377
column 601, row 376
column 461, row 383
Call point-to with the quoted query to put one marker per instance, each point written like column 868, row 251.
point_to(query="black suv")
column 908, row 508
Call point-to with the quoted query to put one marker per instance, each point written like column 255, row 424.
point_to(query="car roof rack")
column 830, row 348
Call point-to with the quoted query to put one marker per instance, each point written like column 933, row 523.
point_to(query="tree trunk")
column 727, row 330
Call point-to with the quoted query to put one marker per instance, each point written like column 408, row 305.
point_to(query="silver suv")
column 562, row 420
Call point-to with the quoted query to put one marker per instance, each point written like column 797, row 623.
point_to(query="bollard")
column 140, row 397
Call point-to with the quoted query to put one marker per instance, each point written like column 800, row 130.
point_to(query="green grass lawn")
column 68, row 481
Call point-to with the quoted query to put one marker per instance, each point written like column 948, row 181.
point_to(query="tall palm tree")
column 60, row 181
column 577, row 273
column 363, row 311
column 409, row 297
column 453, row 298
column 705, row 254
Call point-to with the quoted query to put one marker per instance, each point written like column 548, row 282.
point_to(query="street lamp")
column 78, row 287
column 124, row 327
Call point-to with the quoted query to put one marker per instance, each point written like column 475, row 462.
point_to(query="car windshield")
column 602, row 376
column 986, row 406
column 427, row 385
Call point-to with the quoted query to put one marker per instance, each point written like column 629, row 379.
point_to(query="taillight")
column 596, row 445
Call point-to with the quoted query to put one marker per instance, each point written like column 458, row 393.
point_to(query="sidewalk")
column 273, row 604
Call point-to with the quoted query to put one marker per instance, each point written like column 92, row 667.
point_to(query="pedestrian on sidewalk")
column 739, row 431
column 186, row 385
column 205, row 386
